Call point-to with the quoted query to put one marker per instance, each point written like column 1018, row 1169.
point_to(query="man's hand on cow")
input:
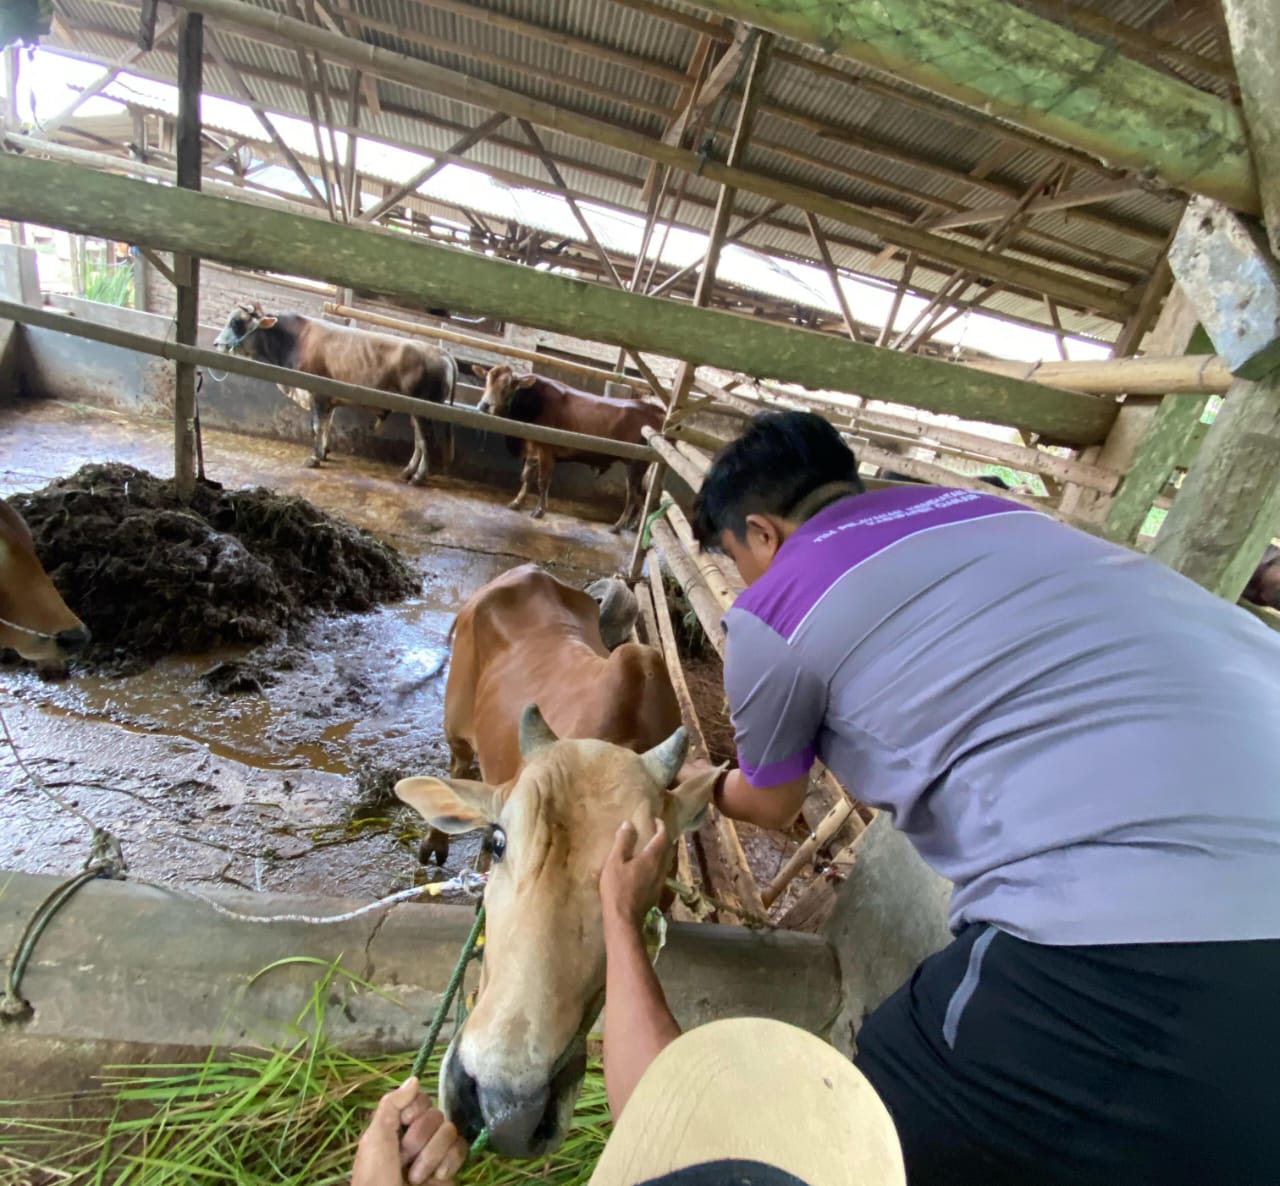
column 631, row 881
column 408, row 1140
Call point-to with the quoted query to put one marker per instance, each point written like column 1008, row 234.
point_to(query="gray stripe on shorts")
column 966, row 988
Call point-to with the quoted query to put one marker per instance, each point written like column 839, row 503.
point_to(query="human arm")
column 638, row 1023
column 407, row 1140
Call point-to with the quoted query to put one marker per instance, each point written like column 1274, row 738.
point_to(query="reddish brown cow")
column 534, row 400
column 34, row 620
column 350, row 356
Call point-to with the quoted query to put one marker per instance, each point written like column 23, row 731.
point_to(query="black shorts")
column 1008, row 1062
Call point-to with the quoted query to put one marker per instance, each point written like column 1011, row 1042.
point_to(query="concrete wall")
column 890, row 915
column 137, row 973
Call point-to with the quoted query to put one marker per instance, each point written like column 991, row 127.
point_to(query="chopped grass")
column 288, row 1117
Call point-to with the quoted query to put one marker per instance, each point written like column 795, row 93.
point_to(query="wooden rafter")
column 833, row 274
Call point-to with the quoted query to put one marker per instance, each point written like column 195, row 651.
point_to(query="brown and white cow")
column 532, row 399
column 350, row 356
column 34, row 620
column 571, row 741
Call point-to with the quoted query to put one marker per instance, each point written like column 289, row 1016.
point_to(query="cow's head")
column 34, row 620
column 500, row 384
column 516, row 1064
column 244, row 320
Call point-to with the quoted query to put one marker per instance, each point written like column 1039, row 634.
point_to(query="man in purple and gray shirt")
column 1088, row 745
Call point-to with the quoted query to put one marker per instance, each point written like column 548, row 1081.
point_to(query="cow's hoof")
column 538, row 514
column 617, row 527
column 418, row 480
column 513, row 505
column 312, row 463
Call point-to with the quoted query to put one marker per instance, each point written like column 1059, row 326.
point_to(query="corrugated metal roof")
column 879, row 143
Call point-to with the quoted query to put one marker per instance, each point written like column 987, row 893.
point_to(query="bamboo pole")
column 685, row 869
column 726, row 868
column 653, row 491
column 834, row 820
column 716, row 572
column 186, row 267
column 493, row 345
column 351, row 393
column 155, row 216
column 679, row 464
column 1121, row 376
column 704, row 604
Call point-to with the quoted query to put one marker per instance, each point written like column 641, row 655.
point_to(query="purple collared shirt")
column 1083, row 741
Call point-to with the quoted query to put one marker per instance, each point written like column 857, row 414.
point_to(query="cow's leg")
column 631, row 506
column 528, row 473
column 322, row 411
column 420, row 462
column 546, row 464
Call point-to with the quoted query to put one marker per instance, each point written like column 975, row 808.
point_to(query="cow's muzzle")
column 522, row 1122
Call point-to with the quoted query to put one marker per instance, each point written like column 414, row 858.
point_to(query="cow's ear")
column 266, row 323
column 685, row 807
column 479, row 371
column 453, row 805
column 525, row 381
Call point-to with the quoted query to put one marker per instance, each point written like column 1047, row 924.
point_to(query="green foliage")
column 284, row 1117
column 110, row 284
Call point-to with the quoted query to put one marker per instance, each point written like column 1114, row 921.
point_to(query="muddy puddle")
column 279, row 785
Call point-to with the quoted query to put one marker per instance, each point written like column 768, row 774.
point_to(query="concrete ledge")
column 131, row 973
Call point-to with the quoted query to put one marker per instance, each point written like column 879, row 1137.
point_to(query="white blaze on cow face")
column 35, row 620
column 500, row 384
column 517, row 1063
column 243, row 321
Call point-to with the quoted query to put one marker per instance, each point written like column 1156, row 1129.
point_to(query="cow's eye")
column 497, row 843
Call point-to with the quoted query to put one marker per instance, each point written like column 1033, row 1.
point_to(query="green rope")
column 451, row 991
column 647, row 530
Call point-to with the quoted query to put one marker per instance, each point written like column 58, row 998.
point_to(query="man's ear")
column 266, row 323
column 453, row 805
column 685, row 807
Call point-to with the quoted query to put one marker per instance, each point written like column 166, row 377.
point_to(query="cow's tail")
column 416, row 685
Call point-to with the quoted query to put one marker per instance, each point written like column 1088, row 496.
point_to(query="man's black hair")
column 768, row 470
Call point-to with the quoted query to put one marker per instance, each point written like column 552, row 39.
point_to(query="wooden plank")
column 726, row 868
column 444, row 83
column 684, row 568
column 716, row 572
column 54, row 194
column 654, row 477
column 1004, row 61
column 351, row 393
column 1169, row 430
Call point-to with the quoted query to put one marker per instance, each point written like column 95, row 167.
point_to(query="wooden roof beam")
column 995, row 57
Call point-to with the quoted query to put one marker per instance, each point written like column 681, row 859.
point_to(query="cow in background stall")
column 1264, row 586
column 532, row 399
column 34, row 620
column 350, row 356
column 571, row 741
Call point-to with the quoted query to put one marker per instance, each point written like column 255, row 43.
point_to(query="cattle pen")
column 996, row 238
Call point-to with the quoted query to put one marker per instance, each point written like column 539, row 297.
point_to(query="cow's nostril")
column 517, row 1122
column 463, row 1098
column 73, row 639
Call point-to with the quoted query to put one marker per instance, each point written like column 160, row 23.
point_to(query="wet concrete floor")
column 262, row 790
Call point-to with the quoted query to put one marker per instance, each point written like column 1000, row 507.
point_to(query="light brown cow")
column 552, row 795
column 34, row 620
column 350, row 356
column 532, row 399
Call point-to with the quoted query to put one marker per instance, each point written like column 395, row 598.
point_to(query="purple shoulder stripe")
column 852, row 531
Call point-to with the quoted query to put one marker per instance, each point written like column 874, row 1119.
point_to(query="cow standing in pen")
column 532, row 399
column 350, row 356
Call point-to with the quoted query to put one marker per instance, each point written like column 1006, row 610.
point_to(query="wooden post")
column 187, row 266
column 653, row 491
column 1254, row 29
column 1229, row 505
column 758, row 62
column 74, row 199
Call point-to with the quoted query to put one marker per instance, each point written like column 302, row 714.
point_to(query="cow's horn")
column 534, row 731
column 664, row 760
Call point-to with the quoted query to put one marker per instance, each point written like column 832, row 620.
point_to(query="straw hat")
column 750, row 1089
